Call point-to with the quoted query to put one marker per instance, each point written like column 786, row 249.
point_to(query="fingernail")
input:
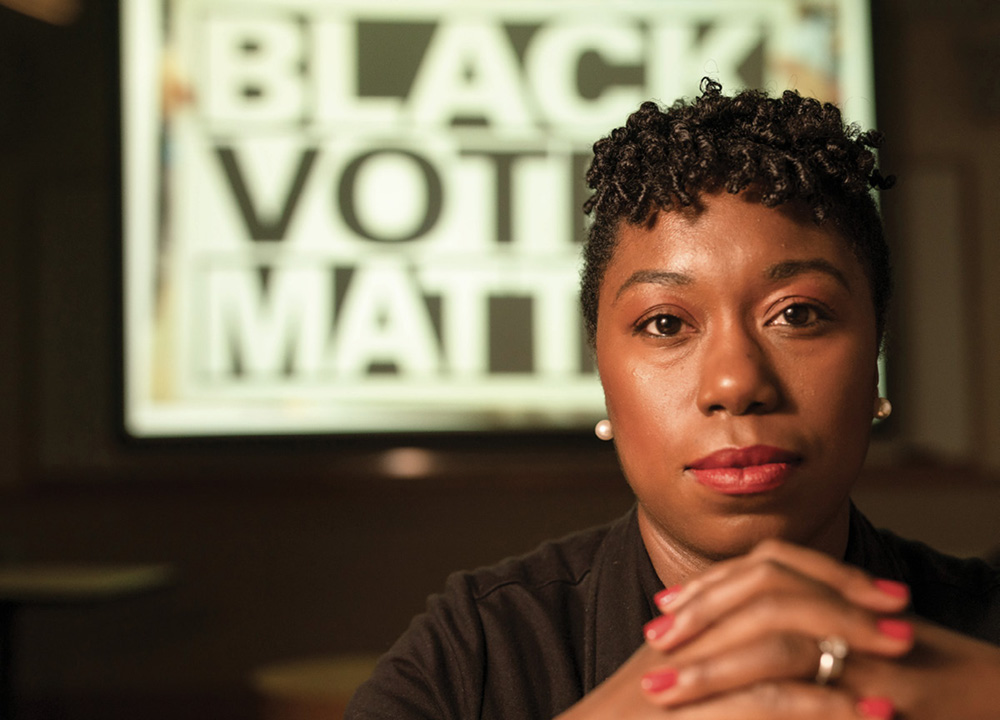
column 657, row 627
column 663, row 598
column 898, row 629
column 875, row 707
column 659, row 680
column 891, row 587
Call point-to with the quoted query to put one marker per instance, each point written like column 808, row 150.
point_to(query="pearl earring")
column 603, row 430
column 883, row 408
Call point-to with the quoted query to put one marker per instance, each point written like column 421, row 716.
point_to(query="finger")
column 856, row 585
column 785, row 701
column 771, row 658
column 718, row 623
column 879, row 594
column 775, row 657
column 769, row 595
column 715, row 597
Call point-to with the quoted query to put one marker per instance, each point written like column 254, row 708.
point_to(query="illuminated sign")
column 365, row 216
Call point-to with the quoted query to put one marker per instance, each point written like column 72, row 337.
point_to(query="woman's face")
column 737, row 348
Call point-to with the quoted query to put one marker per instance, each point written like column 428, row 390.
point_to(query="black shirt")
column 527, row 638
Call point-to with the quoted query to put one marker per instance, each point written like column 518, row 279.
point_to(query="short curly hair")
column 788, row 149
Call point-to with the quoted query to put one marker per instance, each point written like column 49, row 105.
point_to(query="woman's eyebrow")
column 655, row 277
column 791, row 268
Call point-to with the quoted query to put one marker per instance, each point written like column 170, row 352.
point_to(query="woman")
column 735, row 291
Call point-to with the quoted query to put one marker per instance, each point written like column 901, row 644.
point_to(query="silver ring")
column 833, row 649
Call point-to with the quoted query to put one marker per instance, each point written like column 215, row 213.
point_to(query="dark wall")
column 292, row 550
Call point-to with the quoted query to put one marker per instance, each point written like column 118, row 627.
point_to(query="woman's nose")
column 736, row 375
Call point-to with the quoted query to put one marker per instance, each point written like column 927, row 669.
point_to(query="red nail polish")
column 898, row 629
column 879, row 708
column 659, row 680
column 657, row 627
column 891, row 587
column 665, row 596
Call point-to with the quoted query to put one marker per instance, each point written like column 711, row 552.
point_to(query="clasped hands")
column 742, row 642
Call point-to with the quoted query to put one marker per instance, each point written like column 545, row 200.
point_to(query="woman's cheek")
column 851, row 384
column 644, row 406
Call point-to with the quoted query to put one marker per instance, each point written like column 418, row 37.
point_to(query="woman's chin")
column 717, row 539
column 726, row 545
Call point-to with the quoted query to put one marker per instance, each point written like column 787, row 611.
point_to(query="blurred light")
column 407, row 462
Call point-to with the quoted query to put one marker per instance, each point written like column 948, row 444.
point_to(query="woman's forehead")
column 731, row 232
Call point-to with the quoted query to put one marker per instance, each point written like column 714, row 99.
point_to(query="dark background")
column 313, row 547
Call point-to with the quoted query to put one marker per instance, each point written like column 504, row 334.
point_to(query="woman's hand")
column 742, row 641
column 719, row 673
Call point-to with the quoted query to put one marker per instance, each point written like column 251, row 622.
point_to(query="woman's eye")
column 799, row 315
column 663, row 325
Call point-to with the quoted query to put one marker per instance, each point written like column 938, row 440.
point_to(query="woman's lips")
column 744, row 471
